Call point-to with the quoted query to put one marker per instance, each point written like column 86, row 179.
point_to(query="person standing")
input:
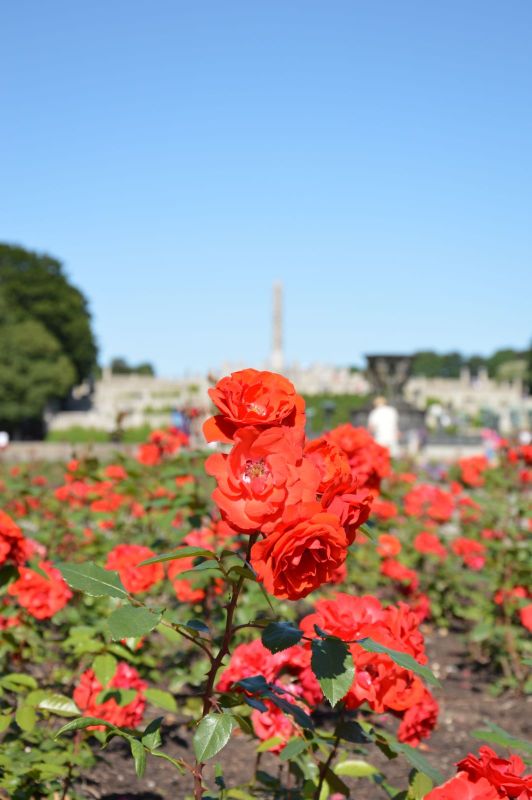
column 383, row 423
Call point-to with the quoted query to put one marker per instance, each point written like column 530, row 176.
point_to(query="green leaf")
column 212, row 734
column 93, row 580
column 196, row 625
column 332, row 664
column 132, row 621
column 83, row 722
column 264, row 746
column 293, row 748
column 183, row 552
column 5, row 722
column 279, row 636
column 151, row 738
column 58, row 704
column 177, row 763
column 121, row 696
column 17, row 682
column 104, row 667
column 26, row 717
column 497, row 735
column 139, row 756
column 354, row 768
column 402, row 659
column 161, row 699
column 420, row 786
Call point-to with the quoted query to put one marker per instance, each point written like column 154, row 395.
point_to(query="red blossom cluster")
column 487, row 777
column 290, row 670
column 14, row 548
column 126, row 677
column 378, row 681
column 303, row 498
column 472, row 470
column 429, row 501
column 41, row 596
column 161, row 443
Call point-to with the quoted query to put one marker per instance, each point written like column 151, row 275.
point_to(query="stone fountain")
column 388, row 375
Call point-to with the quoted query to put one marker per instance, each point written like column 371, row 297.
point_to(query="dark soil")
column 465, row 704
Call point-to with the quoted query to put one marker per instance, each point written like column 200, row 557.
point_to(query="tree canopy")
column 47, row 344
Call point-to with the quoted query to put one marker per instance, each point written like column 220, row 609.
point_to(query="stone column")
column 277, row 359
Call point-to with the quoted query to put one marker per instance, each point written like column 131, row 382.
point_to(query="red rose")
column 389, row 545
column 41, row 597
column 126, row 677
column 13, row 546
column 294, row 560
column 332, row 463
column 263, row 478
column 253, row 398
column 429, row 544
column 124, row 558
column 506, row 775
column 471, row 552
column 462, row 788
column 370, row 462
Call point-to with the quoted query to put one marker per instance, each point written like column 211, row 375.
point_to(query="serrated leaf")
column 211, row 735
column 402, row 659
column 279, row 636
column 139, row 756
column 161, row 699
column 93, row 580
column 132, row 621
column 332, row 664
column 104, row 667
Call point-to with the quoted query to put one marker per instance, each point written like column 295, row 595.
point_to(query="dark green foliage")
column 47, row 345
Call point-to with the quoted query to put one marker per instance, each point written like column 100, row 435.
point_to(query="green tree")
column 34, row 371
column 36, row 287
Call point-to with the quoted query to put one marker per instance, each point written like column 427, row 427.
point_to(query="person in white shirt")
column 383, row 423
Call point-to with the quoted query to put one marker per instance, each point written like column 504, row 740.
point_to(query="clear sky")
column 376, row 156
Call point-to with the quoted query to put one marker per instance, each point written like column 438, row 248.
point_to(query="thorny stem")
column 217, row 661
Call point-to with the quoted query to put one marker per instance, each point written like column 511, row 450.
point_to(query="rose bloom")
column 350, row 504
column 185, row 591
column 289, row 669
column 125, row 677
column 525, row 615
column 384, row 509
column 332, row 463
column 115, row 472
column 273, row 723
column 149, row 454
column 41, row 597
column 378, row 681
column 461, row 787
column 389, row 545
column 506, row 775
column 431, row 501
column 471, row 552
column 124, row 558
column 253, row 398
column 14, row 548
column 263, row 478
column 429, row 544
column 293, row 560
column 369, row 461
column 472, row 470
column 398, row 572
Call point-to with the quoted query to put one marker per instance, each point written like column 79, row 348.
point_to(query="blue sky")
column 181, row 156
